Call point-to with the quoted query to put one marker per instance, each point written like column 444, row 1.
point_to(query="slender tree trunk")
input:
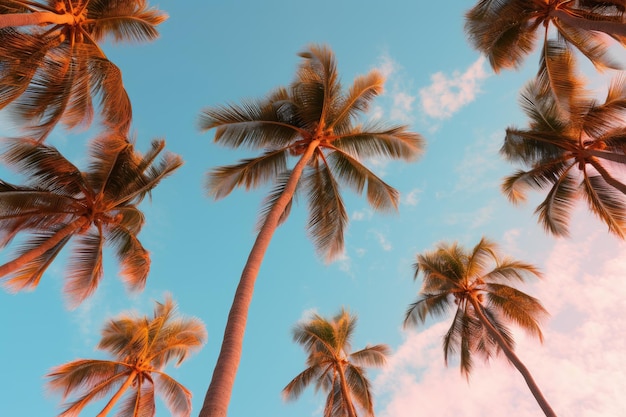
column 543, row 403
column 608, row 27
column 35, row 18
column 25, row 258
column 220, row 389
column 347, row 398
column 118, row 394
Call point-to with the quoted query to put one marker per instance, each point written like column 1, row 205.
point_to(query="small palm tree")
column 314, row 121
column 51, row 65
column 97, row 207
column 140, row 347
column 476, row 283
column 333, row 367
column 506, row 32
column 571, row 153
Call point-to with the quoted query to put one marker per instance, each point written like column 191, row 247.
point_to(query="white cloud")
column 383, row 241
column 579, row 367
column 412, row 197
column 401, row 106
column 360, row 215
column 447, row 95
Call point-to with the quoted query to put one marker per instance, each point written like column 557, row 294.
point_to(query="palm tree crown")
column 475, row 283
column 333, row 367
column 51, row 66
column 140, row 347
column 315, row 121
column 97, row 207
column 506, row 32
column 571, row 152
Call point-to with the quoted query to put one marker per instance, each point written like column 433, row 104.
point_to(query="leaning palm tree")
column 506, row 31
column 571, row 153
column 140, row 347
column 51, row 65
column 475, row 283
column 314, row 121
column 333, row 367
column 97, row 207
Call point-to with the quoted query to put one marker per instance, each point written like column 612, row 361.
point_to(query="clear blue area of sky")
column 217, row 52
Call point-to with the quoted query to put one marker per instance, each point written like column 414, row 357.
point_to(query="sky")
column 219, row 52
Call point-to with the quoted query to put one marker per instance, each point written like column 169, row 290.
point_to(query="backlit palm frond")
column 606, row 202
column 483, row 254
column 510, row 270
column 466, row 339
column 27, row 277
column 361, row 93
column 502, row 30
column 20, row 57
column 297, row 385
column 376, row 140
column 123, row 336
column 83, row 374
column 533, row 147
column 177, row 398
column 486, row 344
column 360, row 388
column 139, row 403
column 317, row 89
column 268, row 202
column 43, row 166
column 445, row 266
column 556, row 75
column 555, row 210
column 254, row 124
column 428, row 304
column 344, row 325
column 518, row 307
column 176, row 340
column 85, row 268
column 79, row 110
column 123, row 21
column 249, row 173
column 543, row 176
column 104, row 154
column 327, row 213
column 134, row 262
column 451, row 342
column 543, row 109
column 375, row 355
column 381, row 196
column 108, row 87
column 606, row 119
column 591, row 44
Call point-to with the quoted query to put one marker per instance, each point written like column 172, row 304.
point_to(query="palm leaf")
column 554, row 212
column 429, row 304
column 377, row 140
column 85, row 268
column 361, row 93
column 124, row 21
column 606, row 202
column 517, row 307
column 176, row 397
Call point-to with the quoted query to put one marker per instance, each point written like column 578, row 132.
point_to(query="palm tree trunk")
column 220, row 389
column 608, row 27
column 543, row 403
column 347, row 398
column 118, row 394
column 35, row 18
column 25, row 258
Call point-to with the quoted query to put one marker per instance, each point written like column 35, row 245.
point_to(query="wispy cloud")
column 383, row 241
column 579, row 366
column 448, row 94
column 412, row 197
column 361, row 215
column 397, row 89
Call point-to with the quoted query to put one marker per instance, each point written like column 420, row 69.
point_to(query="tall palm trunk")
column 35, row 18
column 347, row 399
column 543, row 403
column 118, row 394
column 26, row 257
column 608, row 27
column 220, row 389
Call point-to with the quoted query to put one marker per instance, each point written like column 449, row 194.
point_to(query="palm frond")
column 518, row 307
column 360, row 388
column 591, row 44
column 270, row 200
column 607, row 203
column 375, row 355
column 123, row 21
column 510, row 270
column 353, row 173
column 327, row 213
column 249, row 173
column 429, row 304
column 139, row 403
column 555, row 211
column 85, row 268
column 296, row 386
column 176, row 397
column 361, row 93
column 108, row 87
column 376, row 140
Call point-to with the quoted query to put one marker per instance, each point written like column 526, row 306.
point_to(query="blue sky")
column 212, row 53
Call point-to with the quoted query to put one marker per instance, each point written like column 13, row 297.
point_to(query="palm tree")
column 312, row 120
column 571, row 153
column 506, row 32
column 333, row 367
column 140, row 347
column 51, row 65
column 98, row 207
column 476, row 282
